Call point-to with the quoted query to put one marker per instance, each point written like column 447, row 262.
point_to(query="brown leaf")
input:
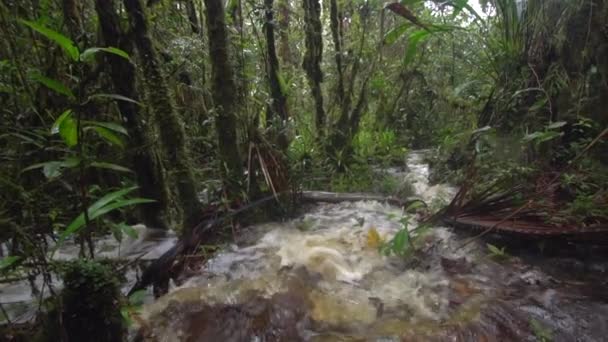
column 373, row 238
column 403, row 11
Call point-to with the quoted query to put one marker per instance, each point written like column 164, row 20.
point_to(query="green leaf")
column 116, row 51
column 69, row 132
column 542, row 333
column 114, row 97
column 119, row 228
column 71, row 162
column 101, row 207
column 8, row 261
column 105, row 200
column 137, row 298
column 110, row 166
column 79, row 222
column 52, row 169
column 66, row 43
column 36, row 166
column 126, row 316
column 482, row 130
column 89, row 53
column 66, row 126
column 539, row 137
column 526, row 90
column 415, row 205
column 113, row 126
column 108, row 198
column 539, row 104
column 118, row 204
column 532, row 136
column 52, row 84
column 25, row 138
column 473, row 12
column 549, row 135
column 459, row 5
column 128, row 230
column 557, row 124
column 57, row 124
column 412, row 45
column 109, row 136
column 495, row 250
column 400, row 240
column 395, row 33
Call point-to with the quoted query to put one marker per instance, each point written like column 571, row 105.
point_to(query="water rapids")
column 319, row 277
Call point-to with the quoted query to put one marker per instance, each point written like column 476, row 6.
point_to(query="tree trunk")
column 237, row 42
column 341, row 136
column 312, row 58
column 172, row 135
column 277, row 110
column 284, row 48
column 224, row 90
column 334, row 18
column 146, row 162
column 192, row 17
column 72, row 19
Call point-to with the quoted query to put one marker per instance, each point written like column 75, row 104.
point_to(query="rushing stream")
column 320, row 277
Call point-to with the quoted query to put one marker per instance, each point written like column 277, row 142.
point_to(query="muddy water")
column 320, row 277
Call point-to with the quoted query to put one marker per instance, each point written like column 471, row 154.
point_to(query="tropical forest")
column 303, row 170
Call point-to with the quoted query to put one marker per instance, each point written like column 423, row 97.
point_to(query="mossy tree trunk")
column 237, row 43
column 284, row 20
column 145, row 160
column 312, row 57
column 192, row 17
column 339, row 145
column 72, row 19
column 224, row 92
column 172, row 135
column 334, row 19
column 277, row 110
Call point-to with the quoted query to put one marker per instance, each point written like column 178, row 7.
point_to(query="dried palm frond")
column 270, row 161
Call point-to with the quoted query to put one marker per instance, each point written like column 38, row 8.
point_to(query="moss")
column 91, row 303
column 278, row 105
column 146, row 161
column 224, row 90
column 172, row 134
column 313, row 56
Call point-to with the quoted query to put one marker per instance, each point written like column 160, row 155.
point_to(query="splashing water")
column 317, row 278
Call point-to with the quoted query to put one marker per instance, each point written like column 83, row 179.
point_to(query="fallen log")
column 169, row 265
column 337, row 197
column 528, row 229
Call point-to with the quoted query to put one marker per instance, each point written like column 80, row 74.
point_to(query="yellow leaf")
column 373, row 238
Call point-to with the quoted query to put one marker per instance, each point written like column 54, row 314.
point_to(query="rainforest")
column 303, row 170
